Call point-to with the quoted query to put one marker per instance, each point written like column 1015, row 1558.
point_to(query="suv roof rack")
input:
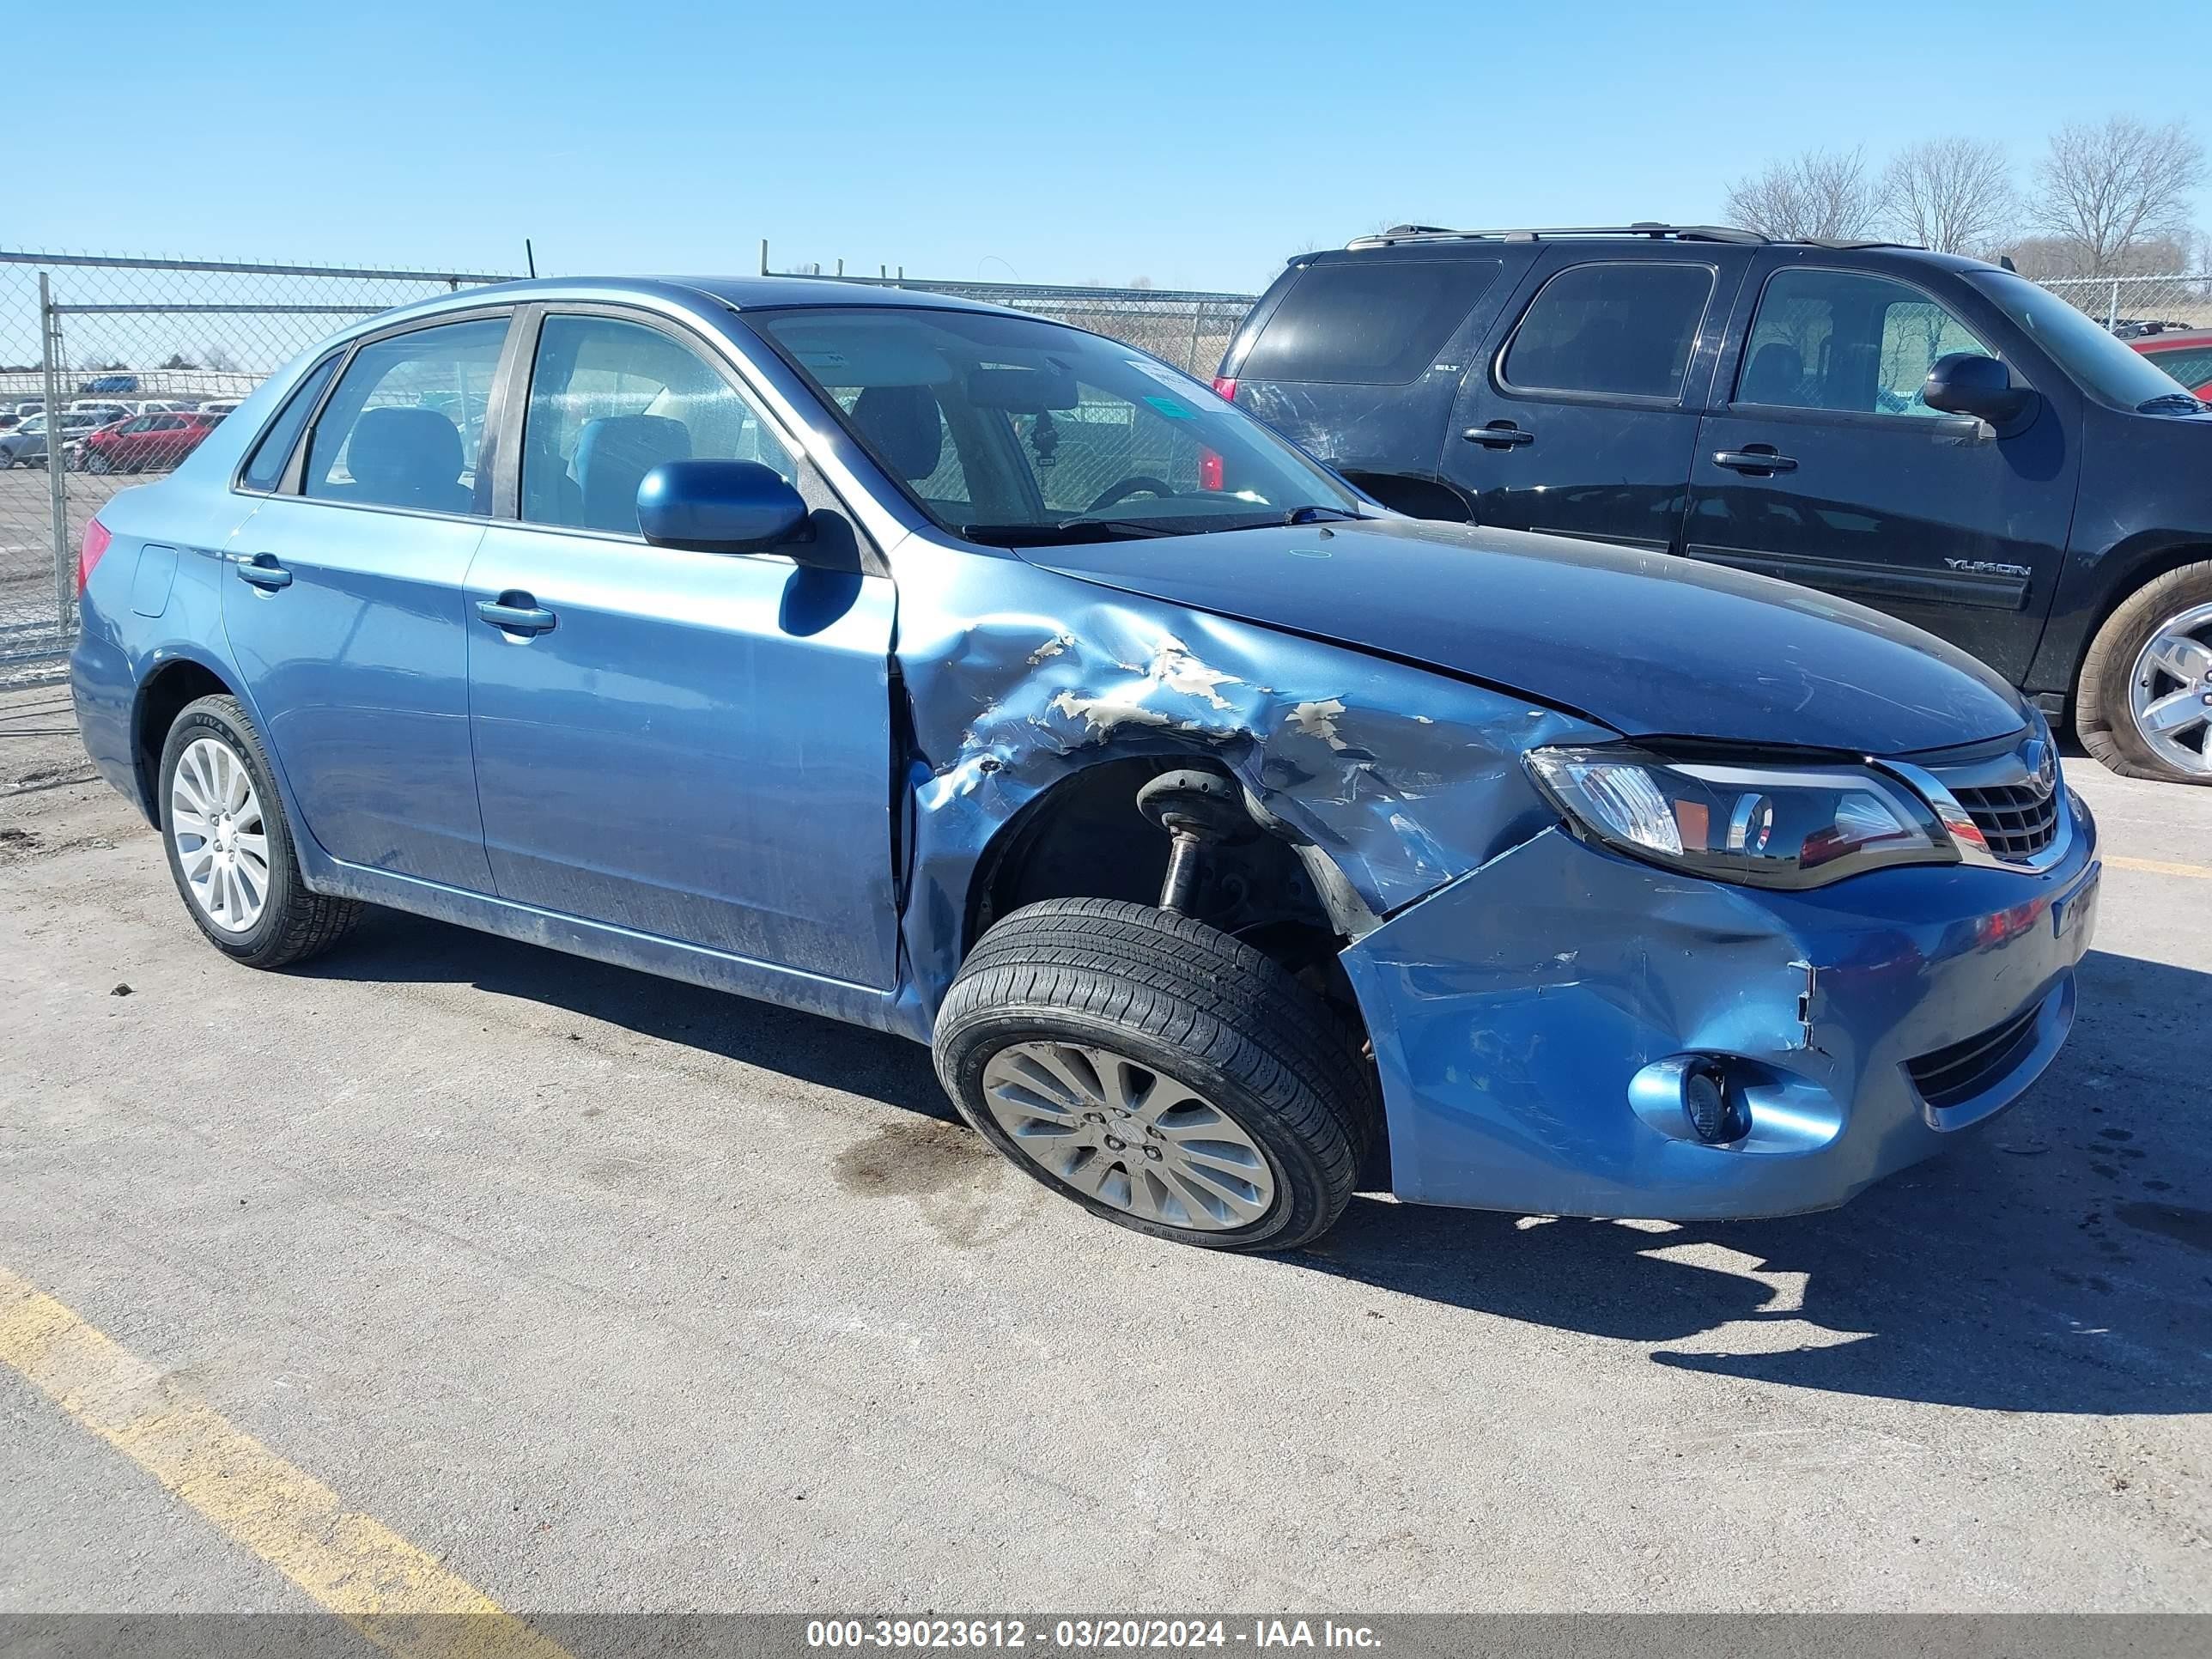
column 1652, row 228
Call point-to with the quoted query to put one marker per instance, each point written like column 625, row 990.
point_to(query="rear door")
column 1819, row 463
column 1581, row 417
column 688, row 744
column 342, row 603
column 1358, row 358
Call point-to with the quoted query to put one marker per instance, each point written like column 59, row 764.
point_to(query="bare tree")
column 2107, row 189
column 1819, row 194
column 1954, row 195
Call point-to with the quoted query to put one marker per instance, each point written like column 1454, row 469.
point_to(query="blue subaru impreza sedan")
column 969, row 677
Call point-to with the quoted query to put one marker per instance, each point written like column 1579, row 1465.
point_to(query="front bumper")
column 1520, row 1014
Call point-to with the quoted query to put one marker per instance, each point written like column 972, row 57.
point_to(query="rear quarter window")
column 1378, row 323
column 266, row 469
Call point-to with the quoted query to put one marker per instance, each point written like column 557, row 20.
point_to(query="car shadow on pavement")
column 393, row 947
column 2057, row 1260
column 2051, row 1262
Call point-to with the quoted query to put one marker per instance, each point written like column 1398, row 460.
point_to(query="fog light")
column 1704, row 1100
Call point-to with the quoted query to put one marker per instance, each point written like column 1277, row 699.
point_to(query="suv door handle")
column 1754, row 458
column 262, row 570
column 517, row 613
column 1499, row 434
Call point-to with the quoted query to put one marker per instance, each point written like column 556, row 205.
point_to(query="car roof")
column 737, row 293
column 2171, row 337
column 1431, row 241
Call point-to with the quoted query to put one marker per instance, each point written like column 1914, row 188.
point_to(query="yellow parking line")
column 2160, row 868
column 387, row 1588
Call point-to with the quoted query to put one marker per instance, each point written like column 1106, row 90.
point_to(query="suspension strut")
column 1198, row 810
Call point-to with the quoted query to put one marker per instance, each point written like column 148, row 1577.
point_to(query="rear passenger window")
column 404, row 425
column 608, row 402
column 1618, row 330
column 1377, row 322
column 266, row 469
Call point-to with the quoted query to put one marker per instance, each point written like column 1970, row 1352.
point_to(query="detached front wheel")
column 1160, row 1074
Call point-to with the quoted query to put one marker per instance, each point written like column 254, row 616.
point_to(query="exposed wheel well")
column 1085, row 838
column 1424, row 498
column 161, row 700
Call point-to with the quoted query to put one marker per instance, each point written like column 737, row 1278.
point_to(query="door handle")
column 262, row 570
column 517, row 613
column 1754, row 457
column 1499, row 434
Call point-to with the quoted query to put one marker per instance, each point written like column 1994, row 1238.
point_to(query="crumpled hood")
column 1646, row 643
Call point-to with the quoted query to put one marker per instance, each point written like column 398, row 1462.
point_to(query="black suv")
column 1928, row 434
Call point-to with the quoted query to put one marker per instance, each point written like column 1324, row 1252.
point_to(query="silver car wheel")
column 1135, row 1138
column 2170, row 693
column 222, row 845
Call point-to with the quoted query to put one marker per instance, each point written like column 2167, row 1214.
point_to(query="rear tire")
column 230, row 847
column 1160, row 1074
column 2125, row 683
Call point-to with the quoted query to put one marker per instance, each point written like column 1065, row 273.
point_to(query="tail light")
column 1209, row 469
column 1224, row 386
column 96, row 538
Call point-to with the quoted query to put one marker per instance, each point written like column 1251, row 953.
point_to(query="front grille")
column 1947, row 1077
column 2018, row 820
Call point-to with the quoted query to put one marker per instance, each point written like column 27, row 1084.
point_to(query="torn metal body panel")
column 1017, row 677
column 1524, row 1019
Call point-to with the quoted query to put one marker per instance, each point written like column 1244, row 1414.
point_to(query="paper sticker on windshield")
column 1171, row 409
column 1166, row 376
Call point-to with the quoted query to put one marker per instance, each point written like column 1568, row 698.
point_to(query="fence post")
column 50, row 362
column 2112, row 310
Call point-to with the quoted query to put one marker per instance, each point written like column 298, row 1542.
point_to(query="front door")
column 692, row 745
column 1822, row 465
column 1582, row 423
column 342, row 602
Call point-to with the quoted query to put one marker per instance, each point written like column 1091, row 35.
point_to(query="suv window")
column 1611, row 330
column 610, row 401
column 266, row 469
column 1844, row 340
column 404, row 425
column 1376, row 322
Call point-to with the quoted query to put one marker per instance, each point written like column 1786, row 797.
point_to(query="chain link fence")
column 143, row 350
column 2132, row 306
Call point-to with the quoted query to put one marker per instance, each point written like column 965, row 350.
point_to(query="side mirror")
column 1968, row 383
column 719, row 507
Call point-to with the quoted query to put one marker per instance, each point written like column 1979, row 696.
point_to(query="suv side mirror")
column 1968, row 383
column 719, row 507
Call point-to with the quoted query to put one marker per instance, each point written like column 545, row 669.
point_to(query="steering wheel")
column 1137, row 484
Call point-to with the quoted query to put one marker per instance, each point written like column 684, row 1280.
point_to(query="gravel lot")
column 608, row 1293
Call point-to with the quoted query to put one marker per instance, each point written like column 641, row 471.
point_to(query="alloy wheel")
column 1130, row 1136
column 2170, row 693
column 222, row 842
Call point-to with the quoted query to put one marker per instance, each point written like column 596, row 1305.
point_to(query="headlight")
column 1765, row 826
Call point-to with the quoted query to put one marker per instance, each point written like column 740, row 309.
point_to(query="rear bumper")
column 1522, row 1014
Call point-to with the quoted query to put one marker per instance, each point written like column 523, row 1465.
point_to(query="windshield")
column 1014, row 430
column 2108, row 369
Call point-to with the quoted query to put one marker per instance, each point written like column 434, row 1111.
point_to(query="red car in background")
column 145, row 442
column 2186, row 354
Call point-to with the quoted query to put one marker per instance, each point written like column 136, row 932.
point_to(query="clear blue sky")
column 1059, row 141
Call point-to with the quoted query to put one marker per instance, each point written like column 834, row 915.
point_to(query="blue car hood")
column 1646, row 643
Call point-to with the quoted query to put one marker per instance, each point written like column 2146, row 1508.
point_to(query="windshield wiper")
column 1313, row 515
column 2172, row 400
column 1064, row 531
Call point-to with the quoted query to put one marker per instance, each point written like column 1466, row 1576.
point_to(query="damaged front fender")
column 1403, row 778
